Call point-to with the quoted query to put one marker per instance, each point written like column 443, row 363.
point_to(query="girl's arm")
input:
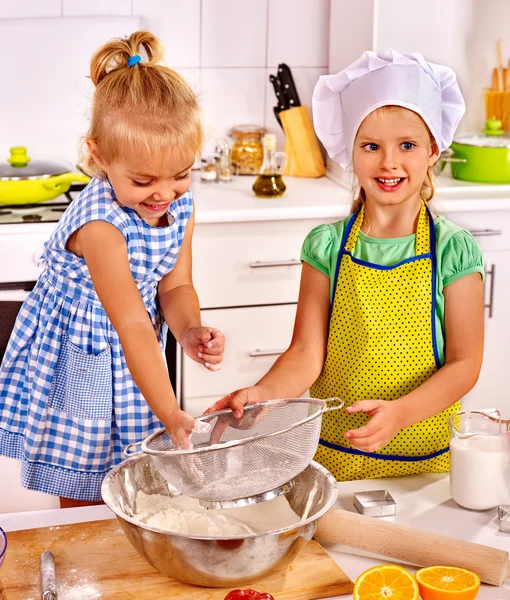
column 179, row 304
column 464, row 316
column 104, row 249
column 299, row 366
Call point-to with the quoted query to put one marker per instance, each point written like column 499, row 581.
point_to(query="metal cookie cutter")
column 376, row 503
column 504, row 518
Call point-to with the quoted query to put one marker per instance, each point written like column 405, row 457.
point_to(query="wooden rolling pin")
column 413, row 546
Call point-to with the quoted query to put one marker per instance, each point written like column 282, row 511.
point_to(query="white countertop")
column 422, row 501
column 325, row 198
column 322, row 198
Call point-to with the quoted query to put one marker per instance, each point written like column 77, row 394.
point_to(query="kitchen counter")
column 422, row 501
column 325, row 198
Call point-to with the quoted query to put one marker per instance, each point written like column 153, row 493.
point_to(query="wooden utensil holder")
column 497, row 106
column 301, row 146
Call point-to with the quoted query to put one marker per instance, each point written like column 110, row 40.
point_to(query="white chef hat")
column 341, row 102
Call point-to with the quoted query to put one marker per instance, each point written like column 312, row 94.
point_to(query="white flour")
column 185, row 515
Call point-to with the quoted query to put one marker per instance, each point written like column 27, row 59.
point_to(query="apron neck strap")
column 423, row 241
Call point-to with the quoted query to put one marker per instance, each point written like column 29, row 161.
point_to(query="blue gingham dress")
column 68, row 403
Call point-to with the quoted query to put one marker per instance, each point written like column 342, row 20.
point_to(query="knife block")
column 301, row 145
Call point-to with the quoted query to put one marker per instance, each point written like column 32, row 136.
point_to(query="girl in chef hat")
column 84, row 373
column 390, row 311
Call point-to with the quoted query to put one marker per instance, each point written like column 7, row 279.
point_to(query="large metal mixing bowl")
column 212, row 561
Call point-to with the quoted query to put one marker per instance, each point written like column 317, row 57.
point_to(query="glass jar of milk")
column 479, row 459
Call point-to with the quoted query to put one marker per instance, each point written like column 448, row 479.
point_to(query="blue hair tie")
column 132, row 60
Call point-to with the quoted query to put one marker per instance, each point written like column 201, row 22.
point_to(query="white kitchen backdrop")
column 224, row 48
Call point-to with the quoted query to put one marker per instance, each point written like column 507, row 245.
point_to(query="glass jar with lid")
column 247, row 153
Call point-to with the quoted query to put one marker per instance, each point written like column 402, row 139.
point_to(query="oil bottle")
column 269, row 183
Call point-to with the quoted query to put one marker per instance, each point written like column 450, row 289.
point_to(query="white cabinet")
column 255, row 336
column 247, row 278
column 13, row 497
column 492, row 231
column 493, row 386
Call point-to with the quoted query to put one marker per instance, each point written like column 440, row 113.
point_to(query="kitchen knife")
column 280, row 97
column 48, row 577
column 287, row 85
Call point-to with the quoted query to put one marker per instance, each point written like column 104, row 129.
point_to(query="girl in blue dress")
column 84, row 373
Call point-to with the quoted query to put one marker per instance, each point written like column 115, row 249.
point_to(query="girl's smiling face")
column 392, row 153
column 147, row 186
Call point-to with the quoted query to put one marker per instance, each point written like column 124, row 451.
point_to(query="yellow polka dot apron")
column 381, row 346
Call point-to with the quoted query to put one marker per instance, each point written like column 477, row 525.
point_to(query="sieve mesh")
column 270, row 445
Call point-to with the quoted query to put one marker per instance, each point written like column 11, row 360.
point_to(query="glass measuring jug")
column 479, row 459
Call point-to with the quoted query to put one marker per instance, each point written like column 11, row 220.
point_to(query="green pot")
column 482, row 157
column 26, row 181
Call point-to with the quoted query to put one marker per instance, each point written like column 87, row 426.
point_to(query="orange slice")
column 447, row 583
column 386, row 582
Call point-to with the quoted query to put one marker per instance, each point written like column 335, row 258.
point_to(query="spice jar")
column 247, row 152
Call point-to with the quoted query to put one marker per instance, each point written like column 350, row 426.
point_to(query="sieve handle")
column 127, row 449
column 329, row 408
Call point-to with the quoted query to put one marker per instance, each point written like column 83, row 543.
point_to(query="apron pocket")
column 82, row 383
column 74, row 443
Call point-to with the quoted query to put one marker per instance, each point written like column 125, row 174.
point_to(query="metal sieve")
column 255, row 457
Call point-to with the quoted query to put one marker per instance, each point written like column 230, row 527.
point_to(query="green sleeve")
column 461, row 256
column 316, row 249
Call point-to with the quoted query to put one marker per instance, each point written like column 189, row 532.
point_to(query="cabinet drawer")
column 255, row 337
column 247, row 264
column 491, row 229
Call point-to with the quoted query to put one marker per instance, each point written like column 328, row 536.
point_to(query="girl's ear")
column 94, row 151
column 434, row 154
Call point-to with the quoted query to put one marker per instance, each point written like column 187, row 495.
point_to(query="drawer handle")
column 256, row 353
column 259, row 264
column 490, row 305
column 485, row 232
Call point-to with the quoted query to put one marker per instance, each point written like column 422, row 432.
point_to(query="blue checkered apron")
column 68, row 403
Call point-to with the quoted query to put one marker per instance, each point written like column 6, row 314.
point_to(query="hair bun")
column 115, row 54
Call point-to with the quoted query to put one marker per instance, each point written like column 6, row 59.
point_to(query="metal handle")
column 256, row 353
column 485, row 232
column 127, row 449
column 451, row 159
column 259, row 264
column 490, row 305
column 330, row 408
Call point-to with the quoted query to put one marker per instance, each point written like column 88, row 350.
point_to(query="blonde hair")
column 146, row 107
column 427, row 189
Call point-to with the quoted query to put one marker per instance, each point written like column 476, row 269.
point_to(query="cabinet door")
column 255, row 337
column 249, row 264
column 493, row 386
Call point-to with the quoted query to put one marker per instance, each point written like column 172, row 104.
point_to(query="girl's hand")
column 205, row 345
column 238, row 399
column 180, row 427
column 383, row 426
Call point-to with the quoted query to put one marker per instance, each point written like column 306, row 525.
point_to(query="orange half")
column 386, row 582
column 447, row 583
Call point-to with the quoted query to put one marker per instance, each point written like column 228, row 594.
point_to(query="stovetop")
column 43, row 212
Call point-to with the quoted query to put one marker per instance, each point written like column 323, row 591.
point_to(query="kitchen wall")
column 491, row 19
column 224, row 48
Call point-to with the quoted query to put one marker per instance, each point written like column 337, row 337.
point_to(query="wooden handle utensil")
column 413, row 546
